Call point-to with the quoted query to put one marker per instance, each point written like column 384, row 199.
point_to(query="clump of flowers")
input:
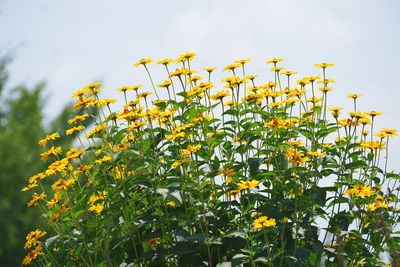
column 247, row 173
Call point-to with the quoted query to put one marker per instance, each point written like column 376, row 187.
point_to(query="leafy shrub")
column 254, row 174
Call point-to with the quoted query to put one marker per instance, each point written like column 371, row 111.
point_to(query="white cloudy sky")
column 70, row 43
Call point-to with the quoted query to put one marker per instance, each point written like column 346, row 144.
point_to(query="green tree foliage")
column 21, row 126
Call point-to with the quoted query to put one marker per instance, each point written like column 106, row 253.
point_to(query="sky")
column 71, row 43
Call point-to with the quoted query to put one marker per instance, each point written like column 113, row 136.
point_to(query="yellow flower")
column 229, row 103
column 274, row 60
column 364, row 121
column 98, row 129
column 195, row 78
column 226, row 171
column 183, row 127
column 190, row 149
column 35, row 199
column 78, row 118
column 356, row 114
column 165, row 84
column 173, row 136
column 263, row 222
column 32, row 255
column 92, row 85
column 242, row 61
column 49, row 137
column 219, row 95
column 143, row 61
column 202, row 117
column 54, row 201
column 171, row 204
column 74, row 153
column 325, row 89
column 312, row 78
column 295, row 157
column 74, row 129
column 353, row 96
column 316, row 154
column 180, row 162
column 103, row 159
column 303, row 82
column 314, row 99
column 387, row 132
column 99, row 196
column 209, row 70
column 165, row 61
column 29, row 187
column 295, row 143
column 80, row 93
column 276, row 69
column 232, row 82
column 346, row 122
column 57, row 166
column 136, row 125
column 372, row 145
column 32, row 239
column 288, row 72
column 179, row 72
column 232, row 67
column 144, row 94
column 324, row 65
column 326, row 81
column 97, row 208
column 379, row 204
column 186, row 56
column 84, row 102
column 276, row 123
column 373, row 113
column 247, row 184
column 62, row 184
column 52, row 151
column 37, row 177
column 360, row 191
column 327, row 145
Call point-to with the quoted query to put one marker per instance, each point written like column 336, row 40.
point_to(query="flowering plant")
column 254, row 174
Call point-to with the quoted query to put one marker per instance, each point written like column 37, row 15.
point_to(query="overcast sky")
column 70, row 43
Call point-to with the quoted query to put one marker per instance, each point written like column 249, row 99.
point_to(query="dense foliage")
column 254, row 174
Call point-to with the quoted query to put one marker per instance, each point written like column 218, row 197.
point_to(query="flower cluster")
column 32, row 240
column 191, row 172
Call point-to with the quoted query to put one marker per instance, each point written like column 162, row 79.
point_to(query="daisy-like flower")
column 324, row 65
column 232, row 67
column 165, row 61
column 220, row 95
column 72, row 130
column 210, row 69
column 49, row 137
column 274, row 60
column 143, row 61
column 354, row 96
column 263, row 222
column 247, row 184
column 242, row 61
column 360, row 191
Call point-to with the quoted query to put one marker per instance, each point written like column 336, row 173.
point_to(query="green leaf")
column 355, row 164
column 254, row 165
